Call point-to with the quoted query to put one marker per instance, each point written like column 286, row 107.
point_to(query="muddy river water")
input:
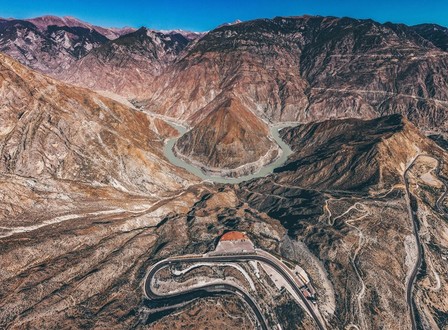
column 264, row 171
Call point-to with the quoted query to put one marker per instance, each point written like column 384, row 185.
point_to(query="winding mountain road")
column 415, row 224
column 443, row 196
column 286, row 273
column 217, row 288
column 418, row 263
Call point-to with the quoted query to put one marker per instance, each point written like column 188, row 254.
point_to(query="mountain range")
column 90, row 197
column 286, row 69
column 78, row 52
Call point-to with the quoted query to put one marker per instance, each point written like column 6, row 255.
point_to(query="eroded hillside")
column 89, row 201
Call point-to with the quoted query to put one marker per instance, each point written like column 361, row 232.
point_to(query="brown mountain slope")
column 310, row 68
column 292, row 69
column 122, row 61
column 83, row 188
column 347, row 156
column 230, row 140
column 128, row 64
column 352, row 154
column 342, row 195
column 52, row 130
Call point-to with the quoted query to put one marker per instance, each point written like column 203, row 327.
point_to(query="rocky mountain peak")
column 311, row 68
column 44, row 22
column 436, row 34
column 230, row 140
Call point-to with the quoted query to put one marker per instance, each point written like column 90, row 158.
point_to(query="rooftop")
column 234, row 236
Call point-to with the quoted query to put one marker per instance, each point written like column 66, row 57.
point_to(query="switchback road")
column 271, row 261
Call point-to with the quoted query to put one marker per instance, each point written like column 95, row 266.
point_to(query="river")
column 264, row 171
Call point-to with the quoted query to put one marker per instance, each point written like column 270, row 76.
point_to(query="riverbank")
column 284, row 152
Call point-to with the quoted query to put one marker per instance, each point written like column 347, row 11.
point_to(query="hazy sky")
column 201, row 15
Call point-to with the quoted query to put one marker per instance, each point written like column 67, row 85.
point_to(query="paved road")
column 221, row 287
column 415, row 223
column 280, row 268
column 443, row 196
column 418, row 264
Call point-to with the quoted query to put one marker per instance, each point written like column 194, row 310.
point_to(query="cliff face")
column 310, row 68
